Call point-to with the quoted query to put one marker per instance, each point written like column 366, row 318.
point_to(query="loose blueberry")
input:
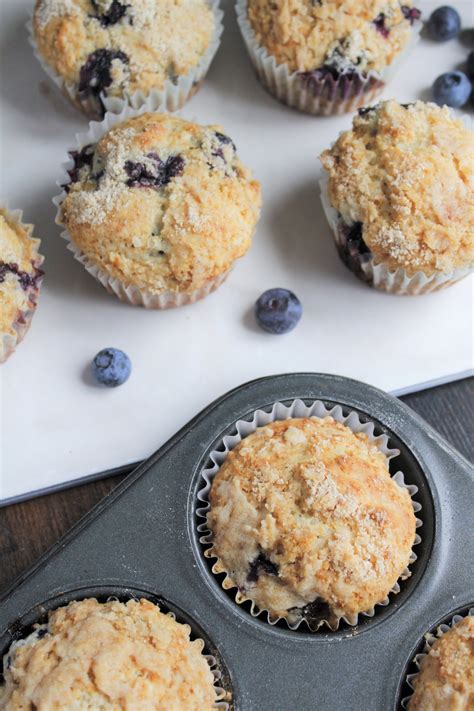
column 261, row 565
column 379, row 23
column 470, row 65
column 113, row 15
column 142, row 176
column 411, row 13
column 111, row 367
column 444, row 23
column 278, row 311
column 95, row 74
column 452, row 88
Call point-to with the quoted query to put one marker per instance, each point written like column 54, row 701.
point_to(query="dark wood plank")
column 28, row 529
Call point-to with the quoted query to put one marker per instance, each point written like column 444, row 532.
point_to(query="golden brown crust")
column 110, row 656
column 17, row 247
column 306, row 35
column 446, row 678
column 406, row 173
column 162, row 39
column 174, row 237
column 317, row 502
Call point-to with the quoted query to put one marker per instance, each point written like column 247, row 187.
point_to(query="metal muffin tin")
column 142, row 539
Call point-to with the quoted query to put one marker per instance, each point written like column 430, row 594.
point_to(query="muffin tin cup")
column 430, row 638
column 306, row 91
column 379, row 275
column 171, row 97
column 28, row 633
column 279, row 411
column 127, row 293
column 9, row 341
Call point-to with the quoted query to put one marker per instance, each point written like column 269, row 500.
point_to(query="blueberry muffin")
column 20, row 279
column 307, row 522
column 160, row 208
column 328, row 56
column 400, row 196
column 115, row 48
column 446, row 678
column 108, row 656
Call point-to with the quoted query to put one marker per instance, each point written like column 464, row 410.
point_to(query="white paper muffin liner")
column 9, row 341
column 279, row 411
column 430, row 638
column 222, row 696
column 379, row 275
column 307, row 93
column 171, row 97
column 128, row 293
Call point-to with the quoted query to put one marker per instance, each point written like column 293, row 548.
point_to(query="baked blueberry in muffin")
column 340, row 53
column 307, row 523
column 161, row 207
column 20, row 280
column 446, row 678
column 114, row 48
column 108, row 656
column 400, row 185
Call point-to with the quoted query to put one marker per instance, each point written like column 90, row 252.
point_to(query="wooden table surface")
column 27, row 529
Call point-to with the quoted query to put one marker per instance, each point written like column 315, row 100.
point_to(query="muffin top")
column 161, row 203
column 108, row 656
column 446, row 678
column 342, row 36
column 119, row 46
column 405, row 172
column 306, row 520
column 19, row 273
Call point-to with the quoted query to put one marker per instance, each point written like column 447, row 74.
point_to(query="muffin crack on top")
column 402, row 182
column 161, row 203
column 112, row 47
column 307, row 522
column 108, row 656
column 333, row 36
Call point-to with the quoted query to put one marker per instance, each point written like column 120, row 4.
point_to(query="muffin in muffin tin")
column 446, row 671
column 20, row 279
column 130, row 49
column 108, row 655
column 158, row 208
column 327, row 57
column 307, row 523
column 399, row 196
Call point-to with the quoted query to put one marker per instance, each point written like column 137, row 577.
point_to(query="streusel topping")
column 346, row 35
column 406, row 173
column 304, row 512
column 161, row 203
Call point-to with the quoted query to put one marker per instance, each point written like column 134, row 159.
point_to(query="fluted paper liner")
column 305, row 91
column 430, row 639
column 127, row 293
column 280, row 411
column 379, row 275
column 9, row 341
column 170, row 98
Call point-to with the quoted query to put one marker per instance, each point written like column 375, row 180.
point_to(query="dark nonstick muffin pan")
column 142, row 539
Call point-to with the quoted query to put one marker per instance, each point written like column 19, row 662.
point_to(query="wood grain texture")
column 28, row 529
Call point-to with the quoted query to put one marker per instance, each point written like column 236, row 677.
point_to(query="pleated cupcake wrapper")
column 221, row 693
column 306, row 91
column 127, row 293
column 430, row 639
column 171, row 97
column 243, row 428
column 379, row 275
column 8, row 341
